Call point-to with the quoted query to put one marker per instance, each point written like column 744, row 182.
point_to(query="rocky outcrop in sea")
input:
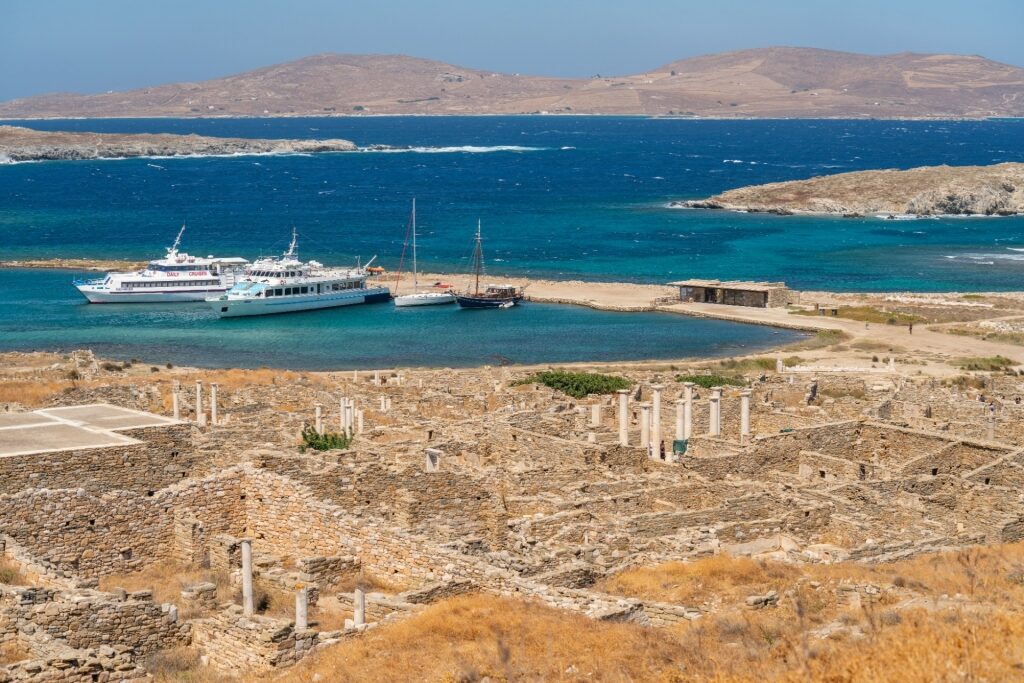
column 18, row 144
column 996, row 190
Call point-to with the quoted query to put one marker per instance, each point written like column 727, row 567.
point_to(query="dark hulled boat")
column 493, row 296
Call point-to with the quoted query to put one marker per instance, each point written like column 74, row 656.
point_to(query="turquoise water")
column 44, row 312
column 582, row 197
column 562, row 197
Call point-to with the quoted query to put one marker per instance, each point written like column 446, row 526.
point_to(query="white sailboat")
column 417, row 297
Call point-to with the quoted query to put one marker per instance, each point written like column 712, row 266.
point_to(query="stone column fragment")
column 623, row 417
column 247, row 599
column 302, row 609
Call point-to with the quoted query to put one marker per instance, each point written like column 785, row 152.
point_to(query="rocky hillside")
column 25, row 144
column 996, row 190
column 775, row 82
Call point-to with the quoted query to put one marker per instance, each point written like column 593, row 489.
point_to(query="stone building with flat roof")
column 734, row 293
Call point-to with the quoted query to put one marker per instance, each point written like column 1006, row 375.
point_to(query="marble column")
column 656, row 390
column 213, row 404
column 645, row 425
column 623, row 417
column 745, row 415
column 247, row 602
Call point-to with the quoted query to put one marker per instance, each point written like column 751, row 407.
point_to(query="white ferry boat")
column 286, row 284
column 176, row 277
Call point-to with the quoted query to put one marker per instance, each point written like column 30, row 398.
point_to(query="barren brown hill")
column 768, row 82
column 929, row 190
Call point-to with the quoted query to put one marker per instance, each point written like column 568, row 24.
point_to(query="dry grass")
column 31, row 393
column 990, row 574
column 182, row 665
column 470, row 637
column 167, row 580
column 10, row 573
column 870, row 345
column 868, row 314
column 13, row 651
column 473, row 637
column 719, row 576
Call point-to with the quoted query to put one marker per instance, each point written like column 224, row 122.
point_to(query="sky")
column 90, row 46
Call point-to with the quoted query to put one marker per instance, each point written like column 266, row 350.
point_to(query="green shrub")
column 984, row 363
column 577, row 384
column 328, row 441
column 709, row 381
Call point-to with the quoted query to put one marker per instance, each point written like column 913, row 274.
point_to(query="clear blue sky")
column 97, row 45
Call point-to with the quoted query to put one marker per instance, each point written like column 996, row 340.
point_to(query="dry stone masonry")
column 466, row 481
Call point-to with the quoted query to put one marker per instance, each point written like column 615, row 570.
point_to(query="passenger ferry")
column 174, row 278
column 286, row 285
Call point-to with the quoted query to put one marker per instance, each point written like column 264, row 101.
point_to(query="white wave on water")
column 987, row 259
column 465, row 149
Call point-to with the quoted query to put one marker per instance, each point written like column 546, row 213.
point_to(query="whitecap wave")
column 464, row 149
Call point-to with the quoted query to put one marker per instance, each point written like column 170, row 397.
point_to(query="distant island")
column 25, row 144
column 996, row 190
column 768, row 82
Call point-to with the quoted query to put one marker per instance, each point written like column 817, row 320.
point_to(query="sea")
column 561, row 197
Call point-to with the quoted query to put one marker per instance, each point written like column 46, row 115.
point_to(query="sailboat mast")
column 478, row 256
column 415, row 280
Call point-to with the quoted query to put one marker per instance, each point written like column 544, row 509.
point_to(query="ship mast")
column 478, row 258
column 177, row 243
column 293, row 245
column 415, row 280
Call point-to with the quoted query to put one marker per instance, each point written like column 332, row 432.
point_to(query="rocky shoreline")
column 996, row 190
column 18, row 144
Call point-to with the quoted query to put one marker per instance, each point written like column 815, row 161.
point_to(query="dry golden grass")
column 992, row 574
column 472, row 637
column 11, row 574
column 13, row 651
column 31, row 393
column 167, row 580
column 182, row 665
column 719, row 576
column 469, row 637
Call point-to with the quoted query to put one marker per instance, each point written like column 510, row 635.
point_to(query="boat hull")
column 107, row 296
column 486, row 302
column 235, row 308
column 424, row 299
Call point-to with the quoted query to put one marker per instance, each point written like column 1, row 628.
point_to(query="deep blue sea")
column 561, row 197
column 581, row 197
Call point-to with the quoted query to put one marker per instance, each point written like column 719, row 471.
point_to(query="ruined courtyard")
column 457, row 482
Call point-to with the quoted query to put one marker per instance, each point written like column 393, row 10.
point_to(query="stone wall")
column 92, row 535
column 236, row 643
column 164, row 457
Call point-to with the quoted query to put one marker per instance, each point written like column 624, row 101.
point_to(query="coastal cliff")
column 26, row 144
column 996, row 190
